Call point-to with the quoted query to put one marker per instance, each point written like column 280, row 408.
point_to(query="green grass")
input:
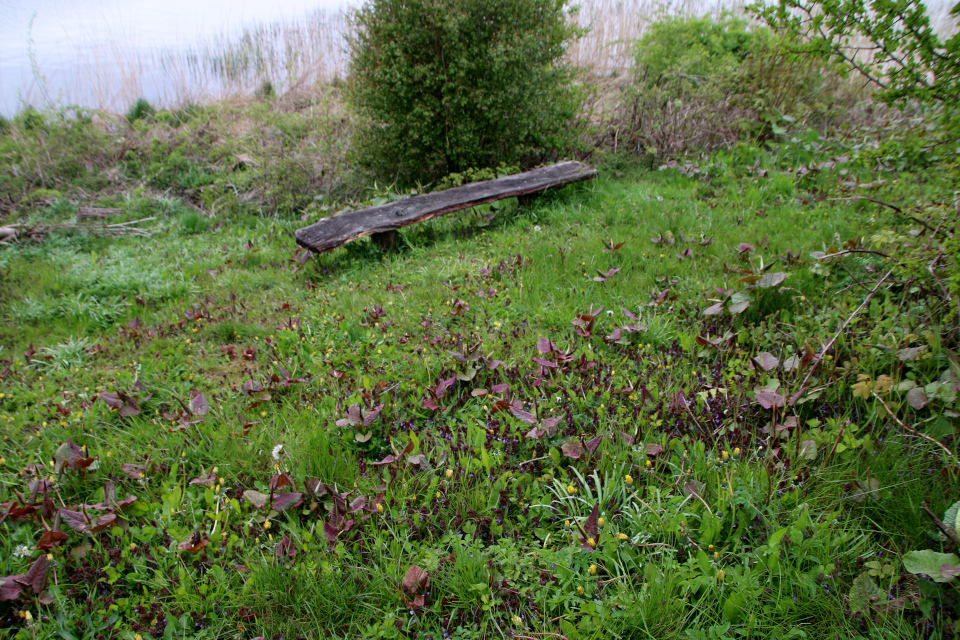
column 732, row 530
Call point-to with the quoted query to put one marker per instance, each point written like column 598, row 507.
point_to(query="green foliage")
column 701, row 83
column 892, row 44
column 701, row 47
column 444, row 86
column 140, row 110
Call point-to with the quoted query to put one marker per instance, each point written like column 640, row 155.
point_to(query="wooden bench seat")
column 382, row 221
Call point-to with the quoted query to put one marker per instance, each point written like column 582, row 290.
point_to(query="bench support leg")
column 387, row 241
column 527, row 200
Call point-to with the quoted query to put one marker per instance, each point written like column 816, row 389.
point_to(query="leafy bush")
column 891, row 44
column 140, row 110
column 700, row 47
column 450, row 85
column 702, row 83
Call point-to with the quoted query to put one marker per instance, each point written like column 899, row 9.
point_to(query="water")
column 105, row 53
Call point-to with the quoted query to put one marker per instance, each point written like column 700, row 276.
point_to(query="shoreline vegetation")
column 710, row 395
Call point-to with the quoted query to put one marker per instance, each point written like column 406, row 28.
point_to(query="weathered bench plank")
column 330, row 233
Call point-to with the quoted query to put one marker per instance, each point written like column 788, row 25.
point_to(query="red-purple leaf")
column 415, row 580
column 767, row 361
column 917, row 398
column 199, row 405
column 523, row 416
column 50, row 539
column 714, row 310
column 770, row 399
column 546, row 363
column 652, row 449
column 10, row 587
column 75, row 520
column 36, row 577
column 389, row 459
column 256, row 498
column 572, row 449
column 284, row 501
column 594, row 442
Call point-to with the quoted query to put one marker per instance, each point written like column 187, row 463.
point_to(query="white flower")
column 536, row 228
column 276, row 451
column 22, row 551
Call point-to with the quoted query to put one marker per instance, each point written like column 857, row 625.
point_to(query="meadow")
column 711, row 394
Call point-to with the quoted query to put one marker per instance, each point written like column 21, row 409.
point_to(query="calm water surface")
column 91, row 51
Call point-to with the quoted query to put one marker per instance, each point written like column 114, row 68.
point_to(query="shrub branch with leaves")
column 445, row 86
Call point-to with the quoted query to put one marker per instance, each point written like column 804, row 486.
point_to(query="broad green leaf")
column 863, row 592
column 928, row 562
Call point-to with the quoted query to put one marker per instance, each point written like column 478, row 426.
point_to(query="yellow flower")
column 28, row 616
column 721, row 575
column 600, row 522
column 726, row 456
column 628, row 479
column 591, row 542
column 449, row 473
column 736, row 452
column 571, row 489
column 517, row 621
column 592, row 570
column 379, row 507
column 267, row 524
column 716, row 555
column 710, row 548
column 132, row 546
column 649, row 464
column 579, row 591
column 622, row 536
column 438, row 495
column 566, row 523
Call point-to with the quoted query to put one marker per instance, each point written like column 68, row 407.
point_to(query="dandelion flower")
column 571, row 489
column 622, row 536
column 600, row 522
column 379, row 507
column 267, row 524
column 592, row 570
column 649, row 464
column 579, row 591
column 726, row 455
column 628, row 479
column 276, row 452
column 449, row 473
column 591, row 542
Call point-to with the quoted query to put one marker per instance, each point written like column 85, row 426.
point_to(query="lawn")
column 651, row 406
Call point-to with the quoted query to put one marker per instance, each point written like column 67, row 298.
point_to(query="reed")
column 299, row 55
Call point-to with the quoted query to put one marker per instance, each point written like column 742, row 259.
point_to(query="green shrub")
column 700, row 47
column 702, row 83
column 449, row 85
column 140, row 110
column 890, row 44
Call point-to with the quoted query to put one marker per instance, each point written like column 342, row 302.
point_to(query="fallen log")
column 96, row 213
column 382, row 221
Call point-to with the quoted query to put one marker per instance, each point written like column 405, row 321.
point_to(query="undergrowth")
column 680, row 403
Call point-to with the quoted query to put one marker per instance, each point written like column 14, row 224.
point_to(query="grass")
column 295, row 452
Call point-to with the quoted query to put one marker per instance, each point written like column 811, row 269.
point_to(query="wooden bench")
column 383, row 221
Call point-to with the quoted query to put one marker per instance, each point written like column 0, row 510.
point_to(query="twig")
column 895, row 208
column 914, row 431
column 948, row 531
column 124, row 224
column 823, row 352
column 554, row 635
